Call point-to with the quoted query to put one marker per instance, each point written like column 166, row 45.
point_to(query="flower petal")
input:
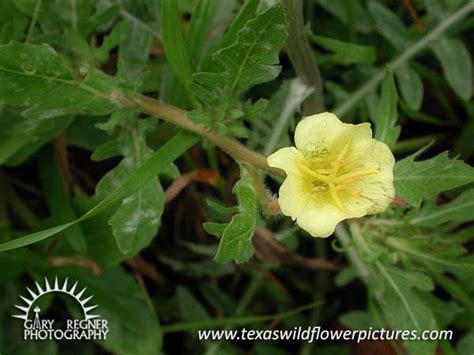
column 324, row 131
column 320, row 220
column 292, row 196
column 285, row 158
column 377, row 191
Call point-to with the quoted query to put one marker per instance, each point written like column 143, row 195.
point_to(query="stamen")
column 344, row 150
column 335, row 197
column 321, row 177
column 340, row 157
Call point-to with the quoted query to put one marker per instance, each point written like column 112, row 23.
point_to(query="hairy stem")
column 179, row 118
column 405, row 56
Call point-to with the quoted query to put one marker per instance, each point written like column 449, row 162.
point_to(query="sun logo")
column 90, row 327
column 40, row 291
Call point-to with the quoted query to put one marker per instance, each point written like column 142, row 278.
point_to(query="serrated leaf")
column 411, row 86
column 457, row 65
column 236, row 241
column 460, row 210
column 386, row 112
column 219, row 210
column 215, row 229
column 245, row 14
column 105, row 151
column 415, row 180
column 249, row 61
column 389, row 24
column 37, row 77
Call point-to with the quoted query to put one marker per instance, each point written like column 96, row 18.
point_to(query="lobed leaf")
column 236, row 240
column 249, row 61
column 415, row 180
column 460, row 210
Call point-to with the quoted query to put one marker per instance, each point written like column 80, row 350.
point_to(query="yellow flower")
column 337, row 171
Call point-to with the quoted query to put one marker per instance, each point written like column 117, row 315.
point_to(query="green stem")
column 241, row 307
column 302, row 56
column 405, row 56
column 26, row 215
column 249, row 294
column 352, row 254
column 454, row 289
column 34, row 17
column 413, row 144
column 233, row 321
column 179, row 118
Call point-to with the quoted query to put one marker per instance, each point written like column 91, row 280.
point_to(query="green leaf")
column 12, row 22
column 35, row 76
column 236, row 241
column 134, row 51
column 411, row 86
column 357, row 320
column 346, row 52
column 415, row 180
column 173, row 42
column 216, row 229
column 249, row 61
column 446, row 257
column 20, row 137
column 189, row 307
column 116, row 37
column 349, row 12
column 245, row 14
column 136, row 180
column 457, row 65
column 465, row 344
column 460, row 210
column 138, row 218
column 386, row 112
column 403, row 308
column 201, row 22
column 389, row 24
column 277, row 120
column 105, row 151
column 133, row 328
column 411, row 278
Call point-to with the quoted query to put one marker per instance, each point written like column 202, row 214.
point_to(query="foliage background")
column 96, row 188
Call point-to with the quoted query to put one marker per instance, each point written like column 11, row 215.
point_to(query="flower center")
column 334, row 176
